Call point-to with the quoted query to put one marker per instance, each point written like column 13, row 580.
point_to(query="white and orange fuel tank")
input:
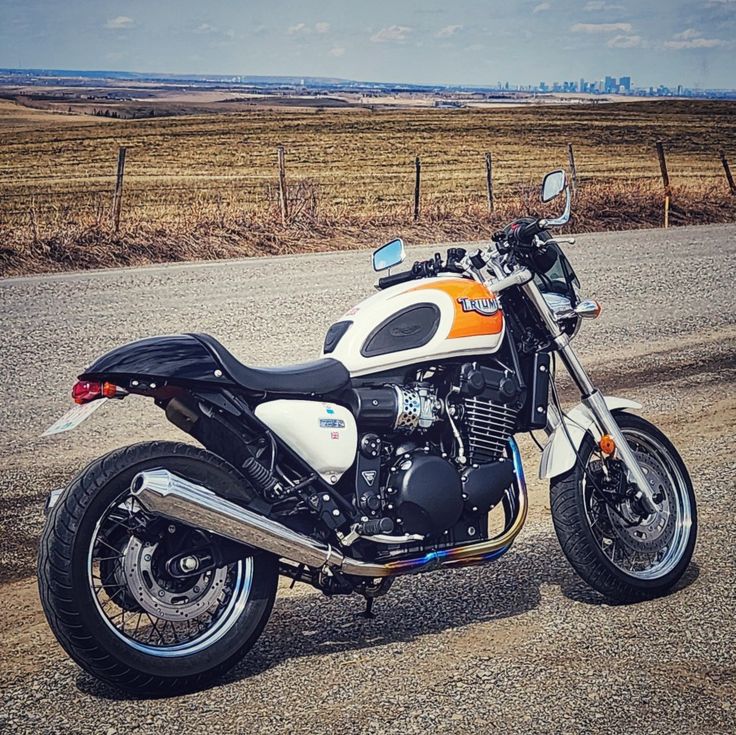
column 434, row 318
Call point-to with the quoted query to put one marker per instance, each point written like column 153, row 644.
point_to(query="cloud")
column 602, row 28
column 689, row 33
column 678, row 44
column 205, row 28
column 121, row 22
column 302, row 29
column 337, row 51
column 596, row 6
column 626, row 42
column 391, row 34
column 692, row 38
column 542, row 7
column 448, row 31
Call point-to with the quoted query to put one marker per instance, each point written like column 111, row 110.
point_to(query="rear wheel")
column 612, row 541
column 112, row 595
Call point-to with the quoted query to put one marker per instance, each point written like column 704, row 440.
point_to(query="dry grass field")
column 204, row 185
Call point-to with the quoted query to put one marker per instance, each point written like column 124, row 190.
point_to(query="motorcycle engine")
column 429, row 488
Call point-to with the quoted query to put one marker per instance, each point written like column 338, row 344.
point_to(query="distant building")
column 449, row 104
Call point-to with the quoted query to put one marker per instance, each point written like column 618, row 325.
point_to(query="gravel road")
column 519, row 646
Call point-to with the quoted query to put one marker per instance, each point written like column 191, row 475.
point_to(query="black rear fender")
column 184, row 379
column 179, row 359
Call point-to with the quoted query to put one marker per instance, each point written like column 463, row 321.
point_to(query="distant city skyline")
column 467, row 42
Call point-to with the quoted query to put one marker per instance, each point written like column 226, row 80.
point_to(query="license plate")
column 72, row 418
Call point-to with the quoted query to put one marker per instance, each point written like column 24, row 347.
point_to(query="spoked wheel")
column 142, row 601
column 610, row 538
column 137, row 601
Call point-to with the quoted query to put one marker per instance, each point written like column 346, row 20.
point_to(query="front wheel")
column 116, row 601
column 614, row 544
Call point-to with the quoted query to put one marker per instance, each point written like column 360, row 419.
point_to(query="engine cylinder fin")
column 489, row 425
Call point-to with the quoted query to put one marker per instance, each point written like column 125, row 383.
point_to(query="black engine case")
column 428, row 493
column 484, row 485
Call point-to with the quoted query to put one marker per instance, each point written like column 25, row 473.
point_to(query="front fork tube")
column 596, row 404
column 591, row 397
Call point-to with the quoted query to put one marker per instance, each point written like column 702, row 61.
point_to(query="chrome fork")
column 592, row 398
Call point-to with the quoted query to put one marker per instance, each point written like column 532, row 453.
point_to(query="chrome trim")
column 678, row 501
column 588, row 309
column 565, row 216
column 164, row 493
column 590, row 396
column 596, row 404
column 241, row 586
column 517, row 278
column 167, row 494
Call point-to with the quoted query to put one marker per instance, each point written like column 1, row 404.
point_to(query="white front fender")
column 559, row 456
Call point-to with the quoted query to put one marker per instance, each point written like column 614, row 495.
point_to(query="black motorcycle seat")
column 315, row 378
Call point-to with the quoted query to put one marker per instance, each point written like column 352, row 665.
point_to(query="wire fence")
column 294, row 184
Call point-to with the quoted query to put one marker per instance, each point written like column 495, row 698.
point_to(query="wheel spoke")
column 133, row 560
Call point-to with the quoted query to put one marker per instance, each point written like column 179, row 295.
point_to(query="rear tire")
column 72, row 606
column 571, row 513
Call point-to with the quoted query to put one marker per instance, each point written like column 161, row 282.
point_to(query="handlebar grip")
column 525, row 233
column 395, row 279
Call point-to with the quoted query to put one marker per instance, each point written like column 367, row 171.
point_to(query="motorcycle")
column 392, row 454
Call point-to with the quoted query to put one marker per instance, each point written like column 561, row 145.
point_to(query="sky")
column 418, row 41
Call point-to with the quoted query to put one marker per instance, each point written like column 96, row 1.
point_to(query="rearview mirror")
column 389, row 255
column 553, row 185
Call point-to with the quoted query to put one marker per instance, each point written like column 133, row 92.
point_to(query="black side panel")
column 334, row 335
column 539, row 394
column 178, row 356
column 411, row 327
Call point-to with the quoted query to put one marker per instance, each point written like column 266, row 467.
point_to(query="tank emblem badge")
column 486, row 307
column 332, row 423
column 405, row 330
column 334, row 435
column 369, row 476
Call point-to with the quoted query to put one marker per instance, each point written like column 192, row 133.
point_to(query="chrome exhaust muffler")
column 171, row 496
column 166, row 494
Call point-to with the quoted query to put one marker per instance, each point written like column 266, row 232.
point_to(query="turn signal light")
column 607, row 445
column 588, row 309
column 84, row 391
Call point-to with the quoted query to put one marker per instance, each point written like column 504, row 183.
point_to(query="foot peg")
column 375, row 527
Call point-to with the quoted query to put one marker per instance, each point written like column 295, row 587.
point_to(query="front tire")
column 624, row 561
column 85, row 581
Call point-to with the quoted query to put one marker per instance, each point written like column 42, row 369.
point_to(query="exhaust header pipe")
column 166, row 494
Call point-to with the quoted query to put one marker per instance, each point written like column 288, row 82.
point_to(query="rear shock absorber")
column 261, row 478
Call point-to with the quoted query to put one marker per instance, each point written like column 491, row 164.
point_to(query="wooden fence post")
column 117, row 198
column 489, row 181
column 666, row 182
column 283, row 199
column 727, row 169
column 417, row 182
column 573, row 169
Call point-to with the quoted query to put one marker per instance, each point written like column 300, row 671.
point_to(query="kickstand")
column 369, row 614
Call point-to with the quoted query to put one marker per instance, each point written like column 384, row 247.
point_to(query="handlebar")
column 426, row 268
column 525, row 233
column 396, row 279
